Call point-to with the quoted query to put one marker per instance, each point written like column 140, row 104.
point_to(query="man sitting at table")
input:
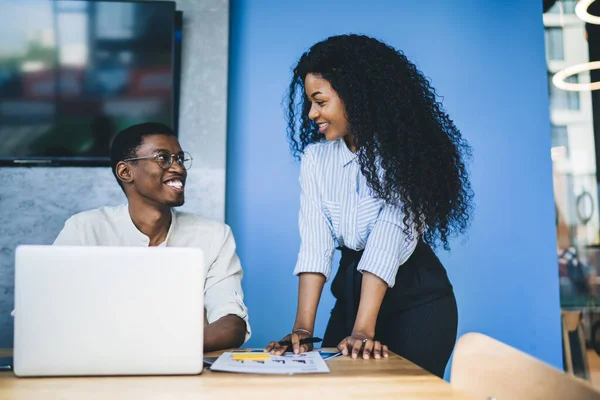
column 151, row 168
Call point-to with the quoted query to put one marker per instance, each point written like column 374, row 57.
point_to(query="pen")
column 302, row 341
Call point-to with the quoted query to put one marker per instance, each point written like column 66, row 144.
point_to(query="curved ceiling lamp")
column 559, row 78
column 581, row 9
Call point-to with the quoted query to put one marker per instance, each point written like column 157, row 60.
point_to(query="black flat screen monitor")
column 73, row 73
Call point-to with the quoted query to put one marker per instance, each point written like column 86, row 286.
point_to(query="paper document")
column 264, row 363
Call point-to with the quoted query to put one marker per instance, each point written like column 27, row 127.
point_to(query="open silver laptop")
column 108, row 311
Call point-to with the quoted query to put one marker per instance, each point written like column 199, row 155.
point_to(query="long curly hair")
column 409, row 150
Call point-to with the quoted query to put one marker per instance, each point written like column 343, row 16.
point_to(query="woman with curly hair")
column 383, row 178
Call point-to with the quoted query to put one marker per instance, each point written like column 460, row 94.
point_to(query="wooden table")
column 392, row 378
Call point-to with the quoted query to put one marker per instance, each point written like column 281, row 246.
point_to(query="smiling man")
column 151, row 168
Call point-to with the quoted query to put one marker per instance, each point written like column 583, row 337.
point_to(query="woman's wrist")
column 302, row 330
column 363, row 331
column 303, row 326
column 365, row 322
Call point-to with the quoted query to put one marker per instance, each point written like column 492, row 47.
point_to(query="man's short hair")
column 127, row 142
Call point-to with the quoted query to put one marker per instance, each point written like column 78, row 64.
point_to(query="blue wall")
column 486, row 58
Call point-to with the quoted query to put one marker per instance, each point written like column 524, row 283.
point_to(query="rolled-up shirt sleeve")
column 388, row 247
column 223, row 293
column 317, row 241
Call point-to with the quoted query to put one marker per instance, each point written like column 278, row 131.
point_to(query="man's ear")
column 124, row 172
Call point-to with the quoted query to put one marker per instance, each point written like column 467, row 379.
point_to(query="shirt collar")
column 346, row 156
column 132, row 234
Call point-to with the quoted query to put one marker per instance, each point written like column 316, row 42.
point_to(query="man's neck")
column 152, row 221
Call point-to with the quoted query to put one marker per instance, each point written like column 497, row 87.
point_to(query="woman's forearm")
column 310, row 287
column 372, row 291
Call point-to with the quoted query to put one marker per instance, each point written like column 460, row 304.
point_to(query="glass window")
column 560, row 139
column 563, row 99
column 554, row 43
column 563, row 6
column 115, row 20
column 572, row 97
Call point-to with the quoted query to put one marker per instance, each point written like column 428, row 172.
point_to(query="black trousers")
column 418, row 318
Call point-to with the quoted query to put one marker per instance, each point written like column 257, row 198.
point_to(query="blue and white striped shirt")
column 337, row 209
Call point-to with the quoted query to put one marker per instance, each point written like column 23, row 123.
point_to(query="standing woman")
column 383, row 179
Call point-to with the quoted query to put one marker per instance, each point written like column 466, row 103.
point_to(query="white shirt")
column 338, row 209
column 112, row 226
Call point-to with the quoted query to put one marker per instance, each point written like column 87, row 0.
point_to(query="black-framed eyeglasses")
column 165, row 160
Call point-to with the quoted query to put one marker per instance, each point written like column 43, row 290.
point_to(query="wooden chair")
column 485, row 368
